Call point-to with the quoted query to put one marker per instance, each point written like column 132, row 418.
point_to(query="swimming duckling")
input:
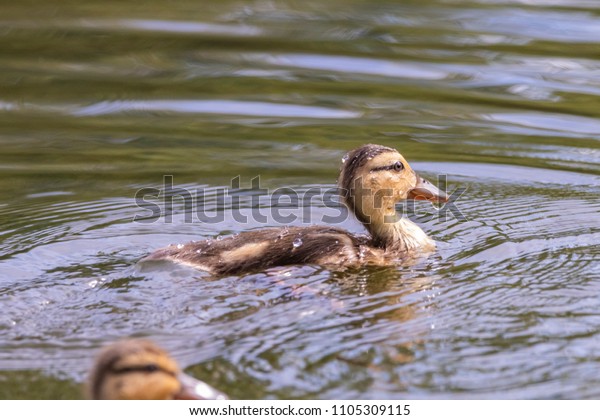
column 138, row 369
column 372, row 180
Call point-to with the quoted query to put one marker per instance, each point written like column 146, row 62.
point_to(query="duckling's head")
column 140, row 370
column 374, row 178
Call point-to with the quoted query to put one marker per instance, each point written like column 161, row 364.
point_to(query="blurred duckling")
column 138, row 369
column 372, row 180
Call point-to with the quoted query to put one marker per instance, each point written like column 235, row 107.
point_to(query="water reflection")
column 570, row 125
column 355, row 65
column 177, row 27
column 101, row 99
column 260, row 109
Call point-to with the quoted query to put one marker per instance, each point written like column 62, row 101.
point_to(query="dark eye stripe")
column 141, row 368
column 391, row 167
column 382, row 168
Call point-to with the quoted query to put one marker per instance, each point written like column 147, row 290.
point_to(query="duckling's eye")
column 150, row 368
column 398, row 166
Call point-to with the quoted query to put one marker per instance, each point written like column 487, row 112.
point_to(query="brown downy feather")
column 260, row 249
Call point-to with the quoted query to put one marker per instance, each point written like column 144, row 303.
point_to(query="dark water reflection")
column 100, row 99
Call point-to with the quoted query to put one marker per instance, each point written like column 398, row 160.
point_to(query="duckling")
column 372, row 180
column 138, row 369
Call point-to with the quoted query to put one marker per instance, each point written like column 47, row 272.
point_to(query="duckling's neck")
column 400, row 236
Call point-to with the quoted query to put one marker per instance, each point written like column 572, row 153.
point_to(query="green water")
column 101, row 99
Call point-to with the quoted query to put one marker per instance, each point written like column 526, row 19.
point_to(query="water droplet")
column 297, row 242
column 361, row 252
column 345, row 158
column 179, row 246
column 283, row 232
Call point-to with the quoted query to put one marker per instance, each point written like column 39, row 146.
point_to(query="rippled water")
column 100, row 99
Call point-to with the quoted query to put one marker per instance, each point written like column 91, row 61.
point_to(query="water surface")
column 101, row 99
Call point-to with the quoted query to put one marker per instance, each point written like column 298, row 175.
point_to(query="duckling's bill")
column 193, row 389
column 425, row 190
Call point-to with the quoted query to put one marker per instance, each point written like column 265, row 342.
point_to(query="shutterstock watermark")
column 281, row 205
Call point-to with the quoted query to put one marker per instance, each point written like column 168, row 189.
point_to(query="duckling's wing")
column 260, row 249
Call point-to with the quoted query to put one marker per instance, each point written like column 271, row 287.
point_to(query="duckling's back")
column 260, row 249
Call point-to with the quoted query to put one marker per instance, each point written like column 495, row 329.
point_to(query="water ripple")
column 100, row 99
column 222, row 107
column 355, row 65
